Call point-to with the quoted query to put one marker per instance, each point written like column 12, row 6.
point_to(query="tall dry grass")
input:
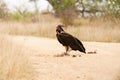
column 14, row 63
column 36, row 26
column 100, row 34
column 100, row 29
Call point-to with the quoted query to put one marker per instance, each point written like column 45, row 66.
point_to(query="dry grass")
column 14, row 64
column 102, row 34
column 84, row 29
column 42, row 26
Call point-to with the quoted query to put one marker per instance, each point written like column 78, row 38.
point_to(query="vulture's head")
column 59, row 28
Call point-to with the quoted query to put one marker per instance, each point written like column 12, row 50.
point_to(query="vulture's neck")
column 62, row 31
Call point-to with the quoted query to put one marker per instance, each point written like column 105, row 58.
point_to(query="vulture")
column 68, row 41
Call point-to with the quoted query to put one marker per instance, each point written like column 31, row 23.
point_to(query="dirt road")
column 104, row 65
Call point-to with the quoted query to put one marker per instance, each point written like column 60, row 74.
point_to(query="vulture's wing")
column 82, row 48
column 68, row 40
column 65, row 38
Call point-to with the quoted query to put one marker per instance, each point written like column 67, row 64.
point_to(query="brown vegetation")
column 14, row 63
column 105, row 30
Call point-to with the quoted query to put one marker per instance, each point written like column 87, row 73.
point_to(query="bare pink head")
column 60, row 26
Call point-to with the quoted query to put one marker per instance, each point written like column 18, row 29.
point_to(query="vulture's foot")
column 66, row 54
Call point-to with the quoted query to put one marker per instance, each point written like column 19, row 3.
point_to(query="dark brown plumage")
column 68, row 40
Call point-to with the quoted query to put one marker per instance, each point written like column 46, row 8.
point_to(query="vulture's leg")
column 66, row 48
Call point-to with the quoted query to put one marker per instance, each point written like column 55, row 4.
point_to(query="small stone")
column 73, row 55
column 79, row 55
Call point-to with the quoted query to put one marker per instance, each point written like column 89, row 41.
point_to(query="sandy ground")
column 104, row 65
